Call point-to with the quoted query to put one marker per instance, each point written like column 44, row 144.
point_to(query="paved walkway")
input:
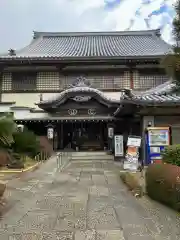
column 86, row 201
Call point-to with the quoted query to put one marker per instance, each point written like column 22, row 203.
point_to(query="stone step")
column 93, row 157
column 93, row 153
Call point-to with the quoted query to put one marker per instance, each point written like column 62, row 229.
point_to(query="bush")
column 4, row 158
column 7, row 128
column 163, row 184
column 171, row 155
column 26, row 142
column 16, row 161
column 132, row 183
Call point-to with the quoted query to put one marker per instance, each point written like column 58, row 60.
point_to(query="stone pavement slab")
column 84, row 201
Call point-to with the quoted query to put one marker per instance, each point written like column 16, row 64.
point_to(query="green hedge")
column 26, row 142
column 163, row 184
column 171, row 154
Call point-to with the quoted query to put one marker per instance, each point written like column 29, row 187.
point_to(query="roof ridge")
column 98, row 33
column 164, row 88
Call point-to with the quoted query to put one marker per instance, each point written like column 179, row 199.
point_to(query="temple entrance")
column 84, row 136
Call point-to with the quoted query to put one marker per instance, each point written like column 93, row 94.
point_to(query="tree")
column 26, row 142
column 7, row 128
column 171, row 62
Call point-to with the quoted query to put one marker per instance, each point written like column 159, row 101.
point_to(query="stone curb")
column 21, row 170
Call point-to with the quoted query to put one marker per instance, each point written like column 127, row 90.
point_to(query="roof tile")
column 102, row 44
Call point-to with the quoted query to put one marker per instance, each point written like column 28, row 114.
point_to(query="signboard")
column 118, row 144
column 158, row 137
column 134, row 141
column 111, row 132
column 132, row 153
column 132, row 156
column 50, row 133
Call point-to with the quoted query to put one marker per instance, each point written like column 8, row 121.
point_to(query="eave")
column 81, row 59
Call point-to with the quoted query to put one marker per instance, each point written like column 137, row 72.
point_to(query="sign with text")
column 134, row 141
column 110, row 132
column 118, row 144
column 132, row 153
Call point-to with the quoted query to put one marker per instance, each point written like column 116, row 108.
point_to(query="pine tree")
column 171, row 62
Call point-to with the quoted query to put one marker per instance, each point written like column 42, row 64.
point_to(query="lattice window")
column 143, row 80
column 23, row 81
column 6, row 81
column 67, row 81
column 126, row 80
column 48, row 81
column 117, row 81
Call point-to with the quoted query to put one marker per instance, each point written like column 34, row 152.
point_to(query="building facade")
column 82, row 84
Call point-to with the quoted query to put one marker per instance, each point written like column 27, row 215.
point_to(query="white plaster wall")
column 25, row 114
column 26, row 99
column 6, row 108
column 113, row 95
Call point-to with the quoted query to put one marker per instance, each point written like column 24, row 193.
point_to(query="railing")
column 42, row 156
column 62, row 158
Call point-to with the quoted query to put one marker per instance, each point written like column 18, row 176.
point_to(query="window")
column 24, row 81
column 148, row 78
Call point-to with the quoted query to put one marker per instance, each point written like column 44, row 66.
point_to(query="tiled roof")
column 164, row 88
column 162, row 94
column 157, row 99
column 80, row 90
column 131, row 44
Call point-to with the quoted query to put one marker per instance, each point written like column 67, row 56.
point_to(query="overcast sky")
column 19, row 18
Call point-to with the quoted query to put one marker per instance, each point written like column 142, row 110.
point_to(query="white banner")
column 118, row 144
column 134, row 141
column 110, row 132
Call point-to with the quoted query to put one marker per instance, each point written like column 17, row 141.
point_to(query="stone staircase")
column 85, row 156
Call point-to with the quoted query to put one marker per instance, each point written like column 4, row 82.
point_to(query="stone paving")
column 85, row 201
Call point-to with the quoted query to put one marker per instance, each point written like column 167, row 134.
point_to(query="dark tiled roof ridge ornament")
column 12, row 52
column 127, row 93
column 80, row 82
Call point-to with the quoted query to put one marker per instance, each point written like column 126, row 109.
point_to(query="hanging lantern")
column 50, row 133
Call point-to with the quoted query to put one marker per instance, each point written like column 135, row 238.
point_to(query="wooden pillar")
column 144, row 124
column 131, row 79
column 101, row 135
column 61, row 134
column 110, row 138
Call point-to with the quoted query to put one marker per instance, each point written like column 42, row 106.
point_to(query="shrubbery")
column 171, row 154
column 16, row 161
column 26, row 142
column 16, row 145
column 163, row 184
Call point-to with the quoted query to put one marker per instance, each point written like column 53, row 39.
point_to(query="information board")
column 134, row 141
column 119, row 148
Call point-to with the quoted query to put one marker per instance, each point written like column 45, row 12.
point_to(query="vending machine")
column 157, row 138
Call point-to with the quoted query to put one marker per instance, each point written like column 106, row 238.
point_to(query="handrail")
column 62, row 158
